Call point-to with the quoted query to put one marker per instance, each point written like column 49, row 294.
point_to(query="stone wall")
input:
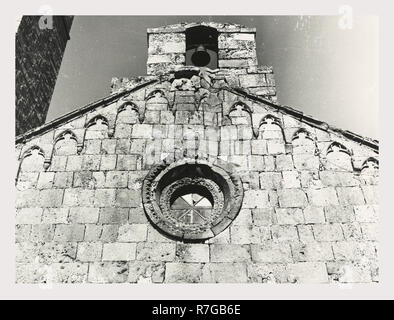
column 38, row 56
column 309, row 211
column 236, row 53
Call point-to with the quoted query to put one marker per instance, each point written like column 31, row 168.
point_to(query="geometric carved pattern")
column 192, row 199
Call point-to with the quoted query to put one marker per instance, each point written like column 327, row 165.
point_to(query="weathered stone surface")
column 89, row 251
column 229, row 253
column 312, row 251
column 350, row 196
column 271, row 252
column 328, row 232
column 113, row 215
column 289, row 216
column 313, row 214
column 349, row 272
column 84, row 215
column 119, row 251
column 183, row 272
column 267, row 273
column 69, row 233
column 192, row 252
column 132, row 233
column 29, row 215
column 108, row 272
column 146, row 272
column 323, row 197
column 307, row 272
column 156, row 251
column 308, row 212
column 292, row 198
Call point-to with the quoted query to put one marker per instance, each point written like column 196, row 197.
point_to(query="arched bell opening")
column 202, row 47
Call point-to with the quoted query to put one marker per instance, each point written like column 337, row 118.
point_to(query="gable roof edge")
column 299, row 115
column 80, row 111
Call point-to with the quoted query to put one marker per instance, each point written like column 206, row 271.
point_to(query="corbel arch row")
column 27, row 153
column 339, row 147
column 156, row 93
column 371, row 161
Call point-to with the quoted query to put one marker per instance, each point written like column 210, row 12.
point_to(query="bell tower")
column 206, row 44
column 202, row 47
column 225, row 49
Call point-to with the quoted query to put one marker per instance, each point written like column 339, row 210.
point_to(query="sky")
column 321, row 69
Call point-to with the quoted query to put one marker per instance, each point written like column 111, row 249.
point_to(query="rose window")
column 191, row 200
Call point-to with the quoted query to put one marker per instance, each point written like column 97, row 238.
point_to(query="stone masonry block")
column 312, row 251
column 89, row 251
column 339, row 213
column 282, row 233
column 338, row 178
column 104, row 197
column 270, row 180
column 255, row 199
column 84, row 215
column 246, row 234
column 290, row 179
column 259, row 147
column 349, row 272
column 132, row 233
column 371, row 194
column 224, row 273
column 292, row 198
column 137, row 215
column 192, row 252
column 284, row 162
column 108, row 162
column 313, row 214
column 183, row 272
column 350, row 196
column 328, row 232
column 354, row 250
column 69, row 233
column 151, row 251
column 78, row 197
column 45, row 180
column 108, row 272
column 55, row 252
column 128, row 198
column 42, row 232
column 113, row 215
column 264, row 216
column 307, row 272
column 323, row 196
column 63, row 179
column 366, row 213
column 116, row 179
column 271, row 252
column 142, row 131
column 29, row 215
column 119, row 251
column 306, row 162
column 146, row 272
column 51, row 197
column 289, row 216
column 370, row 231
column 267, row 273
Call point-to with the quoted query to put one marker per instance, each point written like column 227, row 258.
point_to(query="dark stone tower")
column 39, row 47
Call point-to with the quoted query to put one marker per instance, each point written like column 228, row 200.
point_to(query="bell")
column 201, row 57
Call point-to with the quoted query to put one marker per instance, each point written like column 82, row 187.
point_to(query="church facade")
column 195, row 173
